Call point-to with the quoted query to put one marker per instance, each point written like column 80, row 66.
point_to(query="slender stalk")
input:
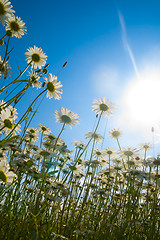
column 58, row 137
column 120, row 150
column 24, row 115
column 93, row 134
column 14, row 81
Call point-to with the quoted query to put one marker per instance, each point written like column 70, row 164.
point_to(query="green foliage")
column 48, row 191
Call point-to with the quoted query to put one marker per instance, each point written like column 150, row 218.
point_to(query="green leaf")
column 8, row 140
column 21, row 81
column 52, row 173
column 19, row 68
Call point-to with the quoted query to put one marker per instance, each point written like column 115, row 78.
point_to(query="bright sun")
column 141, row 100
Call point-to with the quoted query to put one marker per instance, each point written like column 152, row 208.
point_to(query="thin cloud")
column 126, row 44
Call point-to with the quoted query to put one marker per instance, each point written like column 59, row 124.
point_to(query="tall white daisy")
column 34, row 79
column 128, row 152
column 16, row 26
column 98, row 153
column 115, row 133
column 146, row 146
column 32, row 134
column 5, row 174
column 79, row 144
column 109, row 151
column 5, row 119
column 36, row 57
column 43, row 129
column 5, row 10
column 53, row 87
column 96, row 136
column 7, row 122
column 103, row 106
column 66, row 116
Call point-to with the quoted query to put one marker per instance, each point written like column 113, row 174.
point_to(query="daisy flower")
column 13, row 112
column 32, row 130
column 2, row 155
column 32, row 134
column 49, row 141
column 98, row 153
column 79, row 144
column 97, row 137
column 4, row 68
column 66, row 116
column 145, row 146
column 5, row 174
column 43, row 129
column 128, row 152
column 16, row 26
column 53, row 87
column 138, row 157
column 40, row 153
column 109, row 151
column 103, row 106
column 7, row 121
column 115, row 133
column 5, row 10
column 33, row 77
column 36, row 57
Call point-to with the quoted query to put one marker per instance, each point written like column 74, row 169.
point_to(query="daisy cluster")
column 48, row 191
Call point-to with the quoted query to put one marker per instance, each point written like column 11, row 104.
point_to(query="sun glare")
column 142, row 100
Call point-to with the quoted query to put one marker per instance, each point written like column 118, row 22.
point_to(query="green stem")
column 58, row 136
column 120, row 150
column 93, row 134
column 24, row 115
column 14, row 81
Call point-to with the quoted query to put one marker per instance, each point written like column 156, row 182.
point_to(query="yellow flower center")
column 2, row 9
column 146, row 146
column 109, row 152
column 65, row 119
column 103, row 107
column 14, row 26
column 116, row 134
column 35, row 57
column 7, row 123
column 33, row 78
column 98, row 153
column 44, row 129
column 128, row 153
column 32, row 131
column 95, row 135
column 50, row 87
column 3, row 176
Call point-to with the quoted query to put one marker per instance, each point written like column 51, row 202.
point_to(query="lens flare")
column 141, row 100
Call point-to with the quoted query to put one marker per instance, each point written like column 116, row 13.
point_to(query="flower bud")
column 65, row 64
column 46, row 66
column 45, row 71
column 43, row 84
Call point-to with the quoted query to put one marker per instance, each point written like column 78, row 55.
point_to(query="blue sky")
column 88, row 35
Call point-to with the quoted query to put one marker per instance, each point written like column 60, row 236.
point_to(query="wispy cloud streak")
column 126, row 44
